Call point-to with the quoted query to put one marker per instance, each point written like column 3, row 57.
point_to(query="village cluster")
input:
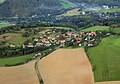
column 62, row 39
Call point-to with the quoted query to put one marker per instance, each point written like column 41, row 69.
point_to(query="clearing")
column 66, row 66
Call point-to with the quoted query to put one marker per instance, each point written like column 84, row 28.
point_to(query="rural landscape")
column 59, row 41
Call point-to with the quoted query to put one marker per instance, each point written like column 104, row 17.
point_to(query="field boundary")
column 38, row 73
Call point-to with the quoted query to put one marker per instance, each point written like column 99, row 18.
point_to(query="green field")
column 95, row 28
column 106, row 58
column 15, row 38
column 67, row 4
column 4, row 25
column 66, row 28
column 14, row 60
column 116, row 30
column 110, row 10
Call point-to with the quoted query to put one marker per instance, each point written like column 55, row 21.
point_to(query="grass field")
column 95, row 28
column 116, row 30
column 110, row 10
column 67, row 4
column 106, row 58
column 14, row 60
column 15, row 38
column 4, row 25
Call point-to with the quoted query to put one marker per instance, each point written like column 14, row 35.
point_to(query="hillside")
column 28, row 7
column 11, row 8
column 99, row 2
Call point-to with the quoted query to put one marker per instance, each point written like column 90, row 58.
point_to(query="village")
column 55, row 38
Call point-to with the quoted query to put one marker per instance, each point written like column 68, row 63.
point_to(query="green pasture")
column 15, row 60
column 95, row 28
column 106, row 59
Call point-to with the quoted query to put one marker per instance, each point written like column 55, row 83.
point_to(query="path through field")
column 66, row 66
column 23, row 74
column 111, row 82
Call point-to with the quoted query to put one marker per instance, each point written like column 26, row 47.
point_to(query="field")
column 4, row 25
column 23, row 74
column 66, row 28
column 14, row 38
column 106, row 59
column 110, row 10
column 116, row 30
column 14, row 60
column 67, row 4
column 95, row 28
column 66, row 66
column 71, row 12
column 111, row 82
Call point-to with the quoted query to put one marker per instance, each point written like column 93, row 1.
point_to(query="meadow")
column 110, row 10
column 17, row 39
column 106, row 59
column 67, row 4
column 95, row 28
column 15, row 60
column 4, row 25
column 116, row 30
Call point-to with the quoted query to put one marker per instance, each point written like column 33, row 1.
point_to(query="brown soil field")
column 66, row 66
column 23, row 74
column 111, row 82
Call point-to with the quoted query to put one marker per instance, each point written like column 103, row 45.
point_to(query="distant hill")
column 11, row 8
column 99, row 2
column 28, row 7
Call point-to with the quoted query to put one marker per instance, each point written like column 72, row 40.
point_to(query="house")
column 62, row 41
column 36, row 39
column 12, row 45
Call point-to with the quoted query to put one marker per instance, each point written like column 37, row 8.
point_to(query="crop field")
column 95, row 28
column 23, row 74
column 106, row 59
column 111, row 82
column 4, row 25
column 15, row 60
column 66, row 66
column 67, row 4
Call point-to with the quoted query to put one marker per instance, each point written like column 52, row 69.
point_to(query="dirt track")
column 111, row 82
column 66, row 66
column 23, row 74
